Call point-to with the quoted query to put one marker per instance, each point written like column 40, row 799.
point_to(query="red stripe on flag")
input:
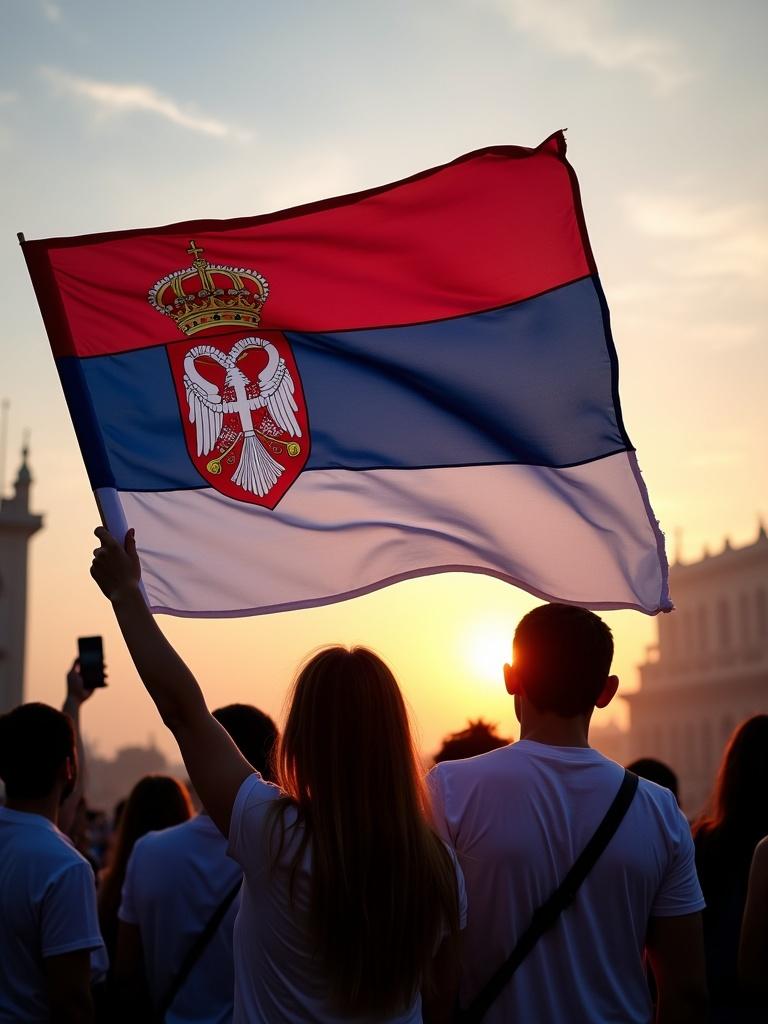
column 489, row 229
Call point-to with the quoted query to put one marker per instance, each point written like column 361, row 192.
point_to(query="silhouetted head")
column 739, row 802
column 37, row 752
column 655, row 771
column 155, row 802
column 562, row 659
column 254, row 733
column 478, row 738
column 383, row 887
column 347, row 721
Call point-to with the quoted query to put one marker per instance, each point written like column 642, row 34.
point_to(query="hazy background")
column 119, row 115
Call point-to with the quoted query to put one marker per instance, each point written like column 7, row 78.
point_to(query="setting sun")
column 486, row 646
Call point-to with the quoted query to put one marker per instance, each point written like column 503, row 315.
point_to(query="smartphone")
column 90, row 653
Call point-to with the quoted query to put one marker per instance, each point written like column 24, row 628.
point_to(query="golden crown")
column 209, row 295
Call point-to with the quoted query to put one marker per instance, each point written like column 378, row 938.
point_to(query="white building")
column 17, row 525
column 709, row 670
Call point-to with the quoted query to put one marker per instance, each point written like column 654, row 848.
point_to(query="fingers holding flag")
column 116, row 567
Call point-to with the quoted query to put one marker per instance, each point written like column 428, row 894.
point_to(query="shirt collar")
column 27, row 818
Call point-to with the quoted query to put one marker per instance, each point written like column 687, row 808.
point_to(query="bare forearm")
column 169, row 682
column 72, row 708
column 69, row 807
column 215, row 765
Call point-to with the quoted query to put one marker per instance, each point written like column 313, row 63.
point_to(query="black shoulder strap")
column 548, row 913
column 196, row 950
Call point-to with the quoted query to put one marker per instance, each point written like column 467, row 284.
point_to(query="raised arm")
column 77, row 695
column 216, row 767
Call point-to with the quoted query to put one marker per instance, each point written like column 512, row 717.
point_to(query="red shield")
column 244, row 413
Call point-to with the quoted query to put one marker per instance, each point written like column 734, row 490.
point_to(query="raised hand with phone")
column 80, row 687
column 90, row 662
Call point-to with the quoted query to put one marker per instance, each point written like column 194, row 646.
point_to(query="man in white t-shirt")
column 48, row 919
column 175, row 881
column 520, row 816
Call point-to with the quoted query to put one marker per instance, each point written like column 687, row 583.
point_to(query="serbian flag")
column 298, row 408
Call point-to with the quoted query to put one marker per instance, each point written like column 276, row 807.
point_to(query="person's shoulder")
column 57, row 846
column 478, row 765
column 252, row 816
column 464, row 779
column 255, row 791
column 659, row 804
column 42, row 854
column 59, row 858
column 162, row 841
column 658, row 796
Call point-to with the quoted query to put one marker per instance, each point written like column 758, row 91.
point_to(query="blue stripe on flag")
column 135, row 403
column 529, row 383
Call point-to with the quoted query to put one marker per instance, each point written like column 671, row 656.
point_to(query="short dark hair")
column 254, row 733
column 35, row 741
column 562, row 654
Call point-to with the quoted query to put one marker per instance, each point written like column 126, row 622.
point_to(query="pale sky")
column 120, row 115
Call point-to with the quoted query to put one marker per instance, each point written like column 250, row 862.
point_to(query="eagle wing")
column 276, row 393
column 205, row 411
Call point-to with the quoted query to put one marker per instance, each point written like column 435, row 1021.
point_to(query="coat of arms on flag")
column 443, row 342
column 244, row 415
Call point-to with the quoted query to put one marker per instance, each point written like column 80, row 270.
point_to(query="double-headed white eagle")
column 257, row 471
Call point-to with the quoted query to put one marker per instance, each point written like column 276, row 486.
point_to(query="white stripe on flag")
column 583, row 535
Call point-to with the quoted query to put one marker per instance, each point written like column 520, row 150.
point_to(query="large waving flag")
column 305, row 406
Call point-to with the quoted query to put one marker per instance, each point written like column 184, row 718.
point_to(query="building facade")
column 17, row 525
column 709, row 669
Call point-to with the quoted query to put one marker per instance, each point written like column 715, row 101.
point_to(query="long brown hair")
column 383, row 887
column 737, row 816
column 155, row 802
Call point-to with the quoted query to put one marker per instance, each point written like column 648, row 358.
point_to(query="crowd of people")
column 326, row 879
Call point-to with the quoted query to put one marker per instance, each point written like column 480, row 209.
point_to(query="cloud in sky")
column 7, row 96
column 123, row 98
column 590, row 29
column 51, row 10
column 705, row 239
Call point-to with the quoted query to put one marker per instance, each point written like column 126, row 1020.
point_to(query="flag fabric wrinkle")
column 300, row 407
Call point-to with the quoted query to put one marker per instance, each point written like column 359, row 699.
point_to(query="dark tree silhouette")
column 478, row 738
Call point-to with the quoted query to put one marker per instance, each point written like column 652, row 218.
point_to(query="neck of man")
column 46, row 806
column 554, row 730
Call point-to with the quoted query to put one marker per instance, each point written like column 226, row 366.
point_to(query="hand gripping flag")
column 301, row 407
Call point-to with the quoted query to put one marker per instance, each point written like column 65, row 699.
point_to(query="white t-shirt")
column 278, row 979
column 518, row 818
column 47, row 907
column 174, row 882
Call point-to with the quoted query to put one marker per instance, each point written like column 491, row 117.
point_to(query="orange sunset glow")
column 104, row 127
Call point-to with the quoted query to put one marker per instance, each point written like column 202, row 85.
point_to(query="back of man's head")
column 35, row 742
column 562, row 657
column 254, row 733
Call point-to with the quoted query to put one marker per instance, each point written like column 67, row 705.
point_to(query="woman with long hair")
column 351, row 904
column 155, row 802
column 726, row 836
